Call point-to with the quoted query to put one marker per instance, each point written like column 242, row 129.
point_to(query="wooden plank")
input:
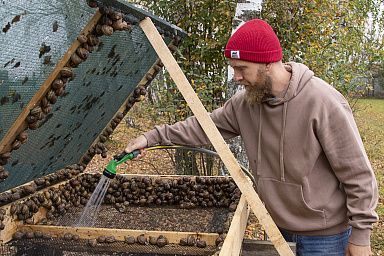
column 11, row 225
column 119, row 234
column 233, row 241
column 261, row 248
column 21, row 124
column 214, row 136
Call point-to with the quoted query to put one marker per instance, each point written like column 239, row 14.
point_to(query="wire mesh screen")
column 34, row 37
column 26, row 27
column 37, row 247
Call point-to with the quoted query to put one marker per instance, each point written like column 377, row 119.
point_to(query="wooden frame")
column 12, row 226
column 233, row 241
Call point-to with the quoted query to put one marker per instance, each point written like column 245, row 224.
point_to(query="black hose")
column 201, row 150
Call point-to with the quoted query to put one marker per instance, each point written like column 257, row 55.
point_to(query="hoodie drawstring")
column 281, row 149
column 259, row 141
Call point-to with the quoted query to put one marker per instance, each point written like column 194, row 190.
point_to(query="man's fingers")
column 138, row 143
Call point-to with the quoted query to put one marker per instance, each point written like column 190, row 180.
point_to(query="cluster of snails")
column 123, row 191
column 25, row 234
column 183, row 191
column 4, row 157
column 193, row 241
column 99, row 148
column 40, row 183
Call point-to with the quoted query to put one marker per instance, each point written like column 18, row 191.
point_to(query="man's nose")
column 237, row 77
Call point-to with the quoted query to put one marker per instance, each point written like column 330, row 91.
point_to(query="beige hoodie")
column 306, row 154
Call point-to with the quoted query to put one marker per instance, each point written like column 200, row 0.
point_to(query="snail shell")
column 141, row 239
column 82, row 53
column 44, row 102
column 34, row 126
column 16, row 145
column 36, row 111
column 51, row 96
column 152, row 240
column 130, row 239
column 116, row 16
column 67, row 72
column 162, row 241
column 60, row 92
column 75, row 60
column 57, row 84
column 82, row 38
column 201, row 244
column 107, row 30
column 6, row 155
column 93, row 40
column 120, row 25
column 47, row 109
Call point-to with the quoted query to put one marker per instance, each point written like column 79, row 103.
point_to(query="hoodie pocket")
column 285, row 202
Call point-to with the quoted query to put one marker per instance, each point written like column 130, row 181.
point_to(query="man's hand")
column 357, row 250
column 138, row 143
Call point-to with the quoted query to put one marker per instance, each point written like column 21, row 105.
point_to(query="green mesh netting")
column 101, row 85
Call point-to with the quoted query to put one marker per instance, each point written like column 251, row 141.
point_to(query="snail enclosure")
column 69, row 73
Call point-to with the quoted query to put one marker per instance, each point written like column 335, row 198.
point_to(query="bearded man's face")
column 253, row 77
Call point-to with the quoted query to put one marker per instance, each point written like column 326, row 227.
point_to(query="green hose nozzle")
column 110, row 170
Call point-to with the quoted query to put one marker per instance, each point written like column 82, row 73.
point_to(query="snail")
column 107, row 30
column 141, row 239
column 66, row 72
column 130, row 239
column 82, row 38
column 75, row 60
column 57, row 84
column 82, row 53
column 120, row 25
column 201, row 243
column 162, row 241
column 16, row 144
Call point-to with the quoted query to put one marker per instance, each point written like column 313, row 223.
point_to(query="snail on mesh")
column 75, row 60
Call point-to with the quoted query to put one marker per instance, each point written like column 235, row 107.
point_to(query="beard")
column 260, row 91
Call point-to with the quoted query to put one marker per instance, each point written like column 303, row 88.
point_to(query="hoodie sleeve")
column 344, row 149
column 189, row 131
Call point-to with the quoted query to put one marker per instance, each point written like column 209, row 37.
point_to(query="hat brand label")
column 235, row 54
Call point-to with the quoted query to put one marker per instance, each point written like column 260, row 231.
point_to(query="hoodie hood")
column 301, row 74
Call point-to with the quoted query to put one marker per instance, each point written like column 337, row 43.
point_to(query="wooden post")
column 214, row 136
column 233, row 241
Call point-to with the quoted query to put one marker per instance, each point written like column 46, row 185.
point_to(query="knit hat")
column 254, row 41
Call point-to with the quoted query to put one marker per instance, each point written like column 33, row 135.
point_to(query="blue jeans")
column 333, row 245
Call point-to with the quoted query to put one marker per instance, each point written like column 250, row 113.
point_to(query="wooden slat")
column 233, row 240
column 11, row 225
column 119, row 234
column 214, row 136
column 21, row 124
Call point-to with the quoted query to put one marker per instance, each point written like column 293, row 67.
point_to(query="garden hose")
column 201, row 150
column 110, row 169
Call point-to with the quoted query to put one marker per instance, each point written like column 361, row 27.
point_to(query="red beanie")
column 254, row 41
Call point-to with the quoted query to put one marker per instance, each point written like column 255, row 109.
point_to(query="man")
column 302, row 142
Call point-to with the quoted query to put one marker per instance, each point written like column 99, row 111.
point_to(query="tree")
column 338, row 40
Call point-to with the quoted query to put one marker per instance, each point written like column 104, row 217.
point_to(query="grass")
column 369, row 115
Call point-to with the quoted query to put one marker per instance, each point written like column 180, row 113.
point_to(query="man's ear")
column 268, row 66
